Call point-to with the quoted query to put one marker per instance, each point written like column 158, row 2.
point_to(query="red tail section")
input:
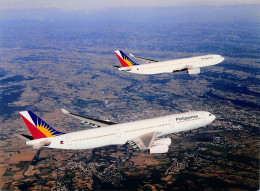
column 124, row 60
column 37, row 127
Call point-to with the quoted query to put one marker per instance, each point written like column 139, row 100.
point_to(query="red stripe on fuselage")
column 123, row 63
column 36, row 133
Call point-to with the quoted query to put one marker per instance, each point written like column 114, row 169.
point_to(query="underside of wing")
column 145, row 59
column 89, row 120
column 189, row 69
column 144, row 142
column 151, row 143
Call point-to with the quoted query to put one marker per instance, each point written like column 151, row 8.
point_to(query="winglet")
column 124, row 60
column 65, row 111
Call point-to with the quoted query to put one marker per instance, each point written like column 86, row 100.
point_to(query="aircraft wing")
column 145, row 59
column 144, row 142
column 89, row 120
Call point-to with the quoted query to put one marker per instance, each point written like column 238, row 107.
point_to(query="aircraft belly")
column 88, row 144
column 156, row 70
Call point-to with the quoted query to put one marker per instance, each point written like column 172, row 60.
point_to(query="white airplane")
column 191, row 65
column 143, row 135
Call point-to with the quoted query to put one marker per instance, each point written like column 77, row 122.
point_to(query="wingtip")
column 64, row 111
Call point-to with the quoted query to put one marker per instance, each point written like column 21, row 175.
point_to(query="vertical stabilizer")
column 124, row 60
column 37, row 127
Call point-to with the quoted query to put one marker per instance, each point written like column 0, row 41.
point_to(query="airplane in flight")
column 142, row 135
column 191, row 65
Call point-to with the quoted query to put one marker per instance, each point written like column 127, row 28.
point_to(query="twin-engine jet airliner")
column 143, row 135
column 191, row 65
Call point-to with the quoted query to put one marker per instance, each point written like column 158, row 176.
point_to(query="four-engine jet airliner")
column 143, row 135
column 191, row 65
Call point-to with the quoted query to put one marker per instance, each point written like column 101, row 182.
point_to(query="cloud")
column 101, row 4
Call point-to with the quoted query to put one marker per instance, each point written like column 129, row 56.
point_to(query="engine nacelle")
column 159, row 149
column 164, row 141
column 194, row 71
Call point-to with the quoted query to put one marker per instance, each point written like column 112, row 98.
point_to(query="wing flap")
column 92, row 121
column 145, row 59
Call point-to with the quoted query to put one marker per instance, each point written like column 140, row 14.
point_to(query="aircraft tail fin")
column 37, row 127
column 124, row 60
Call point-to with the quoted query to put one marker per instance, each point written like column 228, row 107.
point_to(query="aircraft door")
column 204, row 117
column 68, row 141
column 118, row 133
column 171, row 122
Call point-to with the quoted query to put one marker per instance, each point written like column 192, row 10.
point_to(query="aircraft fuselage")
column 175, row 65
column 121, row 133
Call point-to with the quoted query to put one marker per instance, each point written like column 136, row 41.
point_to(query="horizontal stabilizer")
column 25, row 137
column 116, row 66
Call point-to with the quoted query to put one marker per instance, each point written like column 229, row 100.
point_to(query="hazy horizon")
column 138, row 14
column 88, row 5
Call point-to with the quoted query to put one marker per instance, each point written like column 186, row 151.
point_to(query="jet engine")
column 159, row 149
column 165, row 141
column 194, row 71
column 160, row 146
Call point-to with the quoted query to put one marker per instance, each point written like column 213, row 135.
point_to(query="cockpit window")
column 210, row 114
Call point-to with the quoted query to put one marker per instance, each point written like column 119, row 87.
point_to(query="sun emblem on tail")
column 45, row 129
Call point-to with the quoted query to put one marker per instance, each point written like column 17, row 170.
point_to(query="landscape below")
column 51, row 64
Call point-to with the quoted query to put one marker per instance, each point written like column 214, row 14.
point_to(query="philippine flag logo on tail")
column 37, row 127
column 124, row 59
column 61, row 142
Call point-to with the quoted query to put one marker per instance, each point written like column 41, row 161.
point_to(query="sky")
column 90, row 5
